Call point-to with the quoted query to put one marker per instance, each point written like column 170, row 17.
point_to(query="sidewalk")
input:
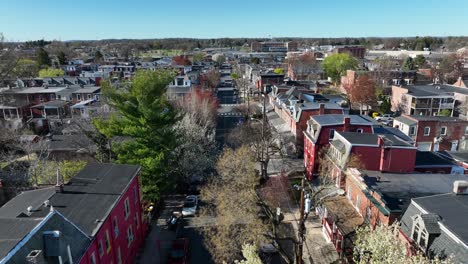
column 316, row 249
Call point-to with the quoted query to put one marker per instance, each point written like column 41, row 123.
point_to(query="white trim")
column 452, row 235
column 422, row 210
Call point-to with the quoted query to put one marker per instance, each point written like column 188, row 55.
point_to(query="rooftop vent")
column 34, row 256
column 46, row 203
column 460, row 187
column 30, row 209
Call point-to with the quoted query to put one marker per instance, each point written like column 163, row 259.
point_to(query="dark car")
column 179, row 251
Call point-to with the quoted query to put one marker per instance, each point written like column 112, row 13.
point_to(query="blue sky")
column 101, row 19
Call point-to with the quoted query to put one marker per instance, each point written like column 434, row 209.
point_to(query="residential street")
column 158, row 242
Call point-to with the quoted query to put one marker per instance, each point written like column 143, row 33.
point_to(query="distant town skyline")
column 24, row 20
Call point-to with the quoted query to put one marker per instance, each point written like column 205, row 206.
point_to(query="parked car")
column 384, row 118
column 190, row 205
column 174, row 221
column 179, row 253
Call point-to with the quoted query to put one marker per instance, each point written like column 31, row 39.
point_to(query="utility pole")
column 300, row 245
column 264, row 171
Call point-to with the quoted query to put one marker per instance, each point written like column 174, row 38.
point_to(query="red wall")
column 312, row 149
column 128, row 252
column 397, row 160
column 369, row 157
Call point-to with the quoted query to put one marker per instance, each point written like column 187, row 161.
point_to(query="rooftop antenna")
column 59, row 184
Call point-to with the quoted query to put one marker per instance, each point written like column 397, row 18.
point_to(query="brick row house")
column 296, row 105
column 434, row 133
column 99, row 209
column 320, row 131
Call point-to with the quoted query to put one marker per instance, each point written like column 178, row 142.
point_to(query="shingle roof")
column 330, row 120
column 431, row 223
column 356, row 138
column 89, row 196
column 406, row 120
column 435, row 90
column 21, row 202
column 452, row 208
column 428, row 158
column 12, row 231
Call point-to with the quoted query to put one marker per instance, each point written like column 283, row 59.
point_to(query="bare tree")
column 264, row 141
column 8, row 59
column 304, row 67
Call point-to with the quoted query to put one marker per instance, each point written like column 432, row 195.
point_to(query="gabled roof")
column 452, row 209
column 86, row 199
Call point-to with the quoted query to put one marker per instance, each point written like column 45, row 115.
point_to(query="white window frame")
column 93, row 258
column 115, row 227
column 126, row 208
column 466, row 130
column 350, row 192
column 130, row 236
column 412, row 130
column 358, row 203
column 421, row 233
column 360, row 130
column 428, row 131
column 78, row 97
column 444, row 129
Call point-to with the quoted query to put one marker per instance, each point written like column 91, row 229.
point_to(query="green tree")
column 62, row 58
column 98, row 57
column 51, row 72
column 25, row 68
column 408, row 65
column 336, row 65
column 420, row 61
column 145, row 118
column 198, row 57
column 43, row 58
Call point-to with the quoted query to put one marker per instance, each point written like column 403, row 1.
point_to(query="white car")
column 190, row 205
column 384, row 118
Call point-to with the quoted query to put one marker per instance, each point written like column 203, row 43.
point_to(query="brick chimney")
column 460, row 187
column 321, row 109
column 59, row 184
column 346, row 124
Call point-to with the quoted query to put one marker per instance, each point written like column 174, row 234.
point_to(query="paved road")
column 158, row 242
column 228, row 118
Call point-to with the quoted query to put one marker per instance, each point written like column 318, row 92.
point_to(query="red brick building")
column 320, row 131
column 356, row 51
column 434, row 133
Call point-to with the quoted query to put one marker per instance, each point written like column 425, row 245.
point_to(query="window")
column 412, row 130
column 119, row 256
column 108, row 244
column 137, row 220
column 96, row 97
column 90, row 96
column 359, row 130
column 427, row 131
column 116, row 226
column 349, row 194
column 419, row 233
column 358, row 202
column 78, row 97
column 332, row 134
column 59, row 97
column 92, row 258
column 466, row 130
column 126, row 208
column 368, row 215
column 135, row 197
column 100, row 248
column 443, row 130
column 129, row 235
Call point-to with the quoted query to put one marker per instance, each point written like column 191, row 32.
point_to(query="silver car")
column 190, row 205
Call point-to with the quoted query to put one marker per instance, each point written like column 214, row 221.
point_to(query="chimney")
column 460, row 187
column 321, row 109
column 59, row 184
column 346, row 123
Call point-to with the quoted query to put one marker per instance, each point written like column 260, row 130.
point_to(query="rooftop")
column 397, row 190
column 330, row 120
column 434, row 90
column 428, row 158
column 86, row 199
column 453, row 210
